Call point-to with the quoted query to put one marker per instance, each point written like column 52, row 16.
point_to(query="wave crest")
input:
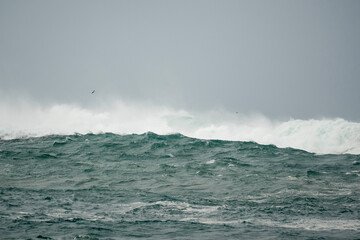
column 321, row 136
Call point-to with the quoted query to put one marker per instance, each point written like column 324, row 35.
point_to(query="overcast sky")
column 296, row 59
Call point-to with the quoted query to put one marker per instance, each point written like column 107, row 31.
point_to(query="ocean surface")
column 150, row 186
column 122, row 170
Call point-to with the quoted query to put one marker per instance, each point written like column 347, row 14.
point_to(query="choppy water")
column 108, row 186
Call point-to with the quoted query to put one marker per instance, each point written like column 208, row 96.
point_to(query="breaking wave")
column 322, row 136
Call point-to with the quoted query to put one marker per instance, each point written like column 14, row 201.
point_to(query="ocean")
column 243, row 178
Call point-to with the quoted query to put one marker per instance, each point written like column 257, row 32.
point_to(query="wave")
column 322, row 136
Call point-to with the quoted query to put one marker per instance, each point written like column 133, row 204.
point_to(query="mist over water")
column 30, row 119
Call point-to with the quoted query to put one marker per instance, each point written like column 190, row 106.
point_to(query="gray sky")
column 282, row 58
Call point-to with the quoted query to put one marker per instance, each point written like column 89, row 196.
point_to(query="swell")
column 112, row 185
column 323, row 136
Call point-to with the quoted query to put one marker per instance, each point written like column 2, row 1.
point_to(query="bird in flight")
column 92, row 91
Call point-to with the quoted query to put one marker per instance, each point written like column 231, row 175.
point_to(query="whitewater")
column 21, row 119
column 121, row 170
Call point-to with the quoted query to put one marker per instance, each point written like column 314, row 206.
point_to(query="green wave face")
column 153, row 186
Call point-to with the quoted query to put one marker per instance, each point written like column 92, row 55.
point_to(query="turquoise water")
column 148, row 186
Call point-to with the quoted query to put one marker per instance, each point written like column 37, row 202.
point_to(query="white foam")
column 310, row 224
column 315, row 224
column 26, row 119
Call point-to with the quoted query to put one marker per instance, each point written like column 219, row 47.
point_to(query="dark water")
column 108, row 186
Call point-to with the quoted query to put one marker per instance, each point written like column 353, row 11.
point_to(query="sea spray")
column 314, row 135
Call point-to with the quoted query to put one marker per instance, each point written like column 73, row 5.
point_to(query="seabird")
column 92, row 91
